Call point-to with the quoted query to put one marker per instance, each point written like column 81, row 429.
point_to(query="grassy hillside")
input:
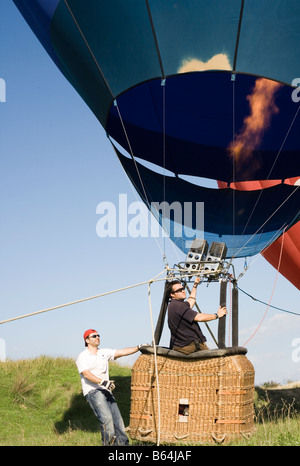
column 41, row 403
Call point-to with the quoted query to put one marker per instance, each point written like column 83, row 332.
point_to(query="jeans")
column 107, row 411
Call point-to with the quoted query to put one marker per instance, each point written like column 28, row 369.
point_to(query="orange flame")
column 262, row 108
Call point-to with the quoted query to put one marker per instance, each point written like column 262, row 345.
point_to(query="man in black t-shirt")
column 186, row 335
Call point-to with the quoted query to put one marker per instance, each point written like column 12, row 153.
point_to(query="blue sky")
column 57, row 165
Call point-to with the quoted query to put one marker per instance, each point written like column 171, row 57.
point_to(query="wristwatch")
column 216, row 315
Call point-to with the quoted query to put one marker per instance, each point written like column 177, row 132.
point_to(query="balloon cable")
column 88, row 47
column 266, row 221
column 274, row 286
column 263, row 302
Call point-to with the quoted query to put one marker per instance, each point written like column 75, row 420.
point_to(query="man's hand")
column 221, row 312
column 142, row 344
column 192, row 298
column 108, row 384
column 197, row 281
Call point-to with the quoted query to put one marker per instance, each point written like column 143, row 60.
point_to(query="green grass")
column 41, row 404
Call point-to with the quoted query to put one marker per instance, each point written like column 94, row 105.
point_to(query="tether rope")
column 75, row 302
column 100, row 295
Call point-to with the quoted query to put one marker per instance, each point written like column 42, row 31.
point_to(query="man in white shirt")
column 92, row 364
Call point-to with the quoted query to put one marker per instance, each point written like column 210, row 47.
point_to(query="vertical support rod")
column 235, row 316
column 222, row 321
column 161, row 317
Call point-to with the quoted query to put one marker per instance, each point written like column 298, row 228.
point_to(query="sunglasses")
column 94, row 336
column 179, row 290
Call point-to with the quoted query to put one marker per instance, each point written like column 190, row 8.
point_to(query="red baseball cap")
column 88, row 332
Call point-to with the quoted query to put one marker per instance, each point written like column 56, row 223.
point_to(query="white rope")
column 169, row 270
column 155, row 361
column 75, row 302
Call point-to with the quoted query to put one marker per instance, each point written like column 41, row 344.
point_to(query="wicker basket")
column 195, row 400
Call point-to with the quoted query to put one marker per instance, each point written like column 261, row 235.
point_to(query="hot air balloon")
column 196, row 98
column 189, row 87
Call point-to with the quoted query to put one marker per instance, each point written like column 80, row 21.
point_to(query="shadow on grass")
column 275, row 404
column 80, row 415
column 270, row 404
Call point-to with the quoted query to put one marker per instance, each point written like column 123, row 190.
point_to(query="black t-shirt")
column 181, row 323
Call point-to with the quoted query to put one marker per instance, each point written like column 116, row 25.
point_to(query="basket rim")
column 204, row 354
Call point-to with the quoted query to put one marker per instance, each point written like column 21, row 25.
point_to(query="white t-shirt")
column 97, row 364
